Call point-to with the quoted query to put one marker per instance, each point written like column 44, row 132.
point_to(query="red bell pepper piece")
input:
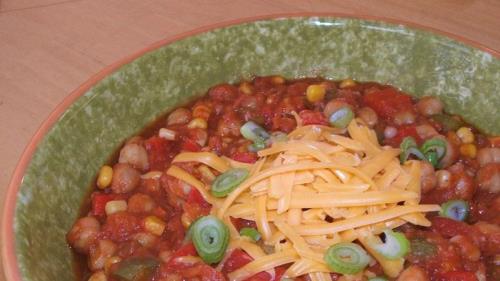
column 99, row 201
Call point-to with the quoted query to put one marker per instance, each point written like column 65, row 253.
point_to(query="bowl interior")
column 118, row 106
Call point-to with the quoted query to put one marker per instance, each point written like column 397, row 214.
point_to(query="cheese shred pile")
column 314, row 190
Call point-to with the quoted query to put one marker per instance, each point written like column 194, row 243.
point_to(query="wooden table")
column 49, row 47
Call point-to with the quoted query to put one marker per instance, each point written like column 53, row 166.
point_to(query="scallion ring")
column 346, row 258
column 229, row 180
column 251, row 131
column 342, row 117
column 210, row 238
column 396, row 245
column 409, row 147
column 250, row 232
column 455, row 209
column 434, row 145
column 432, row 157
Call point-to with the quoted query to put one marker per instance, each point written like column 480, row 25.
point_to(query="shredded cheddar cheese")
column 317, row 189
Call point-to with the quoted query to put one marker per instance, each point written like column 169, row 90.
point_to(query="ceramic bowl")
column 61, row 161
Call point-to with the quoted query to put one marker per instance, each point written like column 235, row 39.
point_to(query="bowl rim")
column 8, row 256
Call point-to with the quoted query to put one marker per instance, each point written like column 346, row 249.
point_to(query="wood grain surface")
column 49, row 47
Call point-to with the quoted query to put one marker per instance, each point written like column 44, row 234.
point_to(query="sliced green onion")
column 251, row 131
column 396, row 245
column 422, row 248
column 409, row 147
column 135, row 269
column 342, row 117
column 432, row 158
column 378, row 278
column 437, row 145
column 455, row 209
column 250, row 232
column 447, row 122
column 210, row 237
column 256, row 146
column 226, row 182
column 346, row 258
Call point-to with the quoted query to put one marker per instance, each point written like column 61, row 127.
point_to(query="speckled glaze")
column 67, row 158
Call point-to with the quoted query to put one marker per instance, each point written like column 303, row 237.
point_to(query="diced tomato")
column 245, row 157
column 284, row 124
column 449, row 228
column 310, row 117
column 190, row 145
column 388, row 102
column 457, row 276
column 195, row 206
column 121, row 226
column 403, row 132
column 194, row 196
column 241, row 223
column 186, row 250
column 237, row 259
column 158, row 152
column 268, row 113
column 99, row 201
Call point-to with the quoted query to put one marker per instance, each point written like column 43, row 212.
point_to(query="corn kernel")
column 347, row 83
column 315, row 93
column 105, row 177
column 197, row 123
column 115, row 206
column 154, row 225
column 186, row 220
column 109, row 262
column 166, row 134
column 468, row 150
column 246, row 88
column 278, row 80
column 465, row 134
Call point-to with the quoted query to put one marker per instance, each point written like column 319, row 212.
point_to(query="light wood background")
column 49, row 47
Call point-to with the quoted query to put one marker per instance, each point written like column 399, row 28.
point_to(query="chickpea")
column 429, row 106
column 333, row 106
column 426, row 131
column 140, row 203
column 369, row 116
column 135, row 155
column 413, row 273
column 390, row 132
column 488, row 178
column 99, row 253
column 404, row 118
column 145, row 239
column 488, row 155
column 443, row 179
column 428, row 178
column 125, row 178
column 83, row 233
column 180, row 116
column 467, row 249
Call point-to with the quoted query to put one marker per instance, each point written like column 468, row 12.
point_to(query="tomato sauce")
column 448, row 250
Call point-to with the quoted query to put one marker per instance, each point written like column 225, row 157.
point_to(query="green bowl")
column 58, row 166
